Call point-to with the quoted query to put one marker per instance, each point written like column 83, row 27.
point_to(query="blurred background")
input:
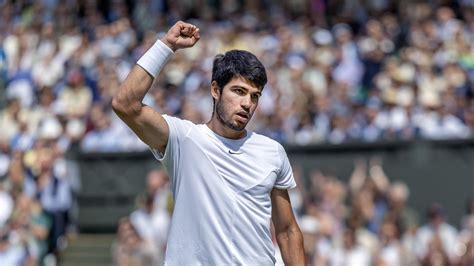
column 373, row 100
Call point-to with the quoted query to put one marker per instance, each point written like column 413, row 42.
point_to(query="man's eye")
column 255, row 96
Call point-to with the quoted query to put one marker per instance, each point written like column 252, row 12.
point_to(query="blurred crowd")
column 366, row 221
column 37, row 203
column 338, row 71
column 141, row 237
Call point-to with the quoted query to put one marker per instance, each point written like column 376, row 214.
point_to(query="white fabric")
column 357, row 256
column 155, row 58
column 6, row 207
column 49, row 78
column 4, row 164
column 13, row 255
column 221, row 189
column 426, row 234
column 59, row 201
column 434, row 125
column 391, row 255
column 23, row 90
column 153, row 228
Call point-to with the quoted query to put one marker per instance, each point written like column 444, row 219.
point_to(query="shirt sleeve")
column 285, row 179
column 178, row 129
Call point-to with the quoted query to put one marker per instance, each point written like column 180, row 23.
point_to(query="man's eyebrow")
column 244, row 88
column 239, row 87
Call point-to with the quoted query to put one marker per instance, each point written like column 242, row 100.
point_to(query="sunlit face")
column 236, row 103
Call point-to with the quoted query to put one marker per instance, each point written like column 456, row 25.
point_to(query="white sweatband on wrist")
column 155, row 58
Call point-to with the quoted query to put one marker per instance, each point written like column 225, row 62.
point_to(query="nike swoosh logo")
column 235, row 152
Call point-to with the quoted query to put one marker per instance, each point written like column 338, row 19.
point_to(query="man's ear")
column 215, row 92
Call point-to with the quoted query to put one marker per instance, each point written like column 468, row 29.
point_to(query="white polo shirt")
column 221, row 189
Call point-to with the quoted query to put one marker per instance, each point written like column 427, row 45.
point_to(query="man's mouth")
column 243, row 115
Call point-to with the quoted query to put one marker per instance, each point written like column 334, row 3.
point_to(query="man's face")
column 236, row 103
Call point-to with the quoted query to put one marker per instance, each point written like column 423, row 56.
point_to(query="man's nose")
column 246, row 102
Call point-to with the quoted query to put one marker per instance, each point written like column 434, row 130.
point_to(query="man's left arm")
column 287, row 231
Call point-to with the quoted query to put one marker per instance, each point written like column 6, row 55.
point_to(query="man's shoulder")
column 266, row 143
column 264, row 139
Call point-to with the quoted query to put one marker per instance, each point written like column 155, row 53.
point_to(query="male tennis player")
column 227, row 182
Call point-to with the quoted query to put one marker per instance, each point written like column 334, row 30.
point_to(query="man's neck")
column 222, row 130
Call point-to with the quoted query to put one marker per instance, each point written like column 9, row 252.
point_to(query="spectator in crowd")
column 11, row 254
column 151, row 220
column 350, row 252
column 31, row 226
column 101, row 136
column 144, row 223
column 391, row 251
column 157, row 185
column 436, row 240
column 398, row 194
column 405, row 218
column 10, row 119
column 55, row 196
column 75, row 99
column 370, row 186
column 130, row 248
column 17, row 179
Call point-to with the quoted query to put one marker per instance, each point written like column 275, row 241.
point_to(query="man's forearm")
column 132, row 91
column 138, row 82
column 128, row 101
column 148, row 124
column 291, row 246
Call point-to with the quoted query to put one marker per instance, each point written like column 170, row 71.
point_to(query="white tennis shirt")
column 221, row 189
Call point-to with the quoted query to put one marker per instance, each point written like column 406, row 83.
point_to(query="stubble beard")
column 220, row 114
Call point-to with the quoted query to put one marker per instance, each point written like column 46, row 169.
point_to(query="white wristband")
column 155, row 58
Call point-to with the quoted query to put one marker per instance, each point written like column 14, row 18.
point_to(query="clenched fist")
column 181, row 35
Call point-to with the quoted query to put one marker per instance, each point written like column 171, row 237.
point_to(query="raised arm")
column 148, row 124
column 287, row 231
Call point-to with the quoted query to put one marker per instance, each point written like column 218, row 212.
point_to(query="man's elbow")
column 117, row 105
column 125, row 108
column 289, row 231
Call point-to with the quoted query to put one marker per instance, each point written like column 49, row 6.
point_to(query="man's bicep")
column 150, row 127
column 282, row 212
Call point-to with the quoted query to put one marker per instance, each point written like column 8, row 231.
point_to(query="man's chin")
column 236, row 126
